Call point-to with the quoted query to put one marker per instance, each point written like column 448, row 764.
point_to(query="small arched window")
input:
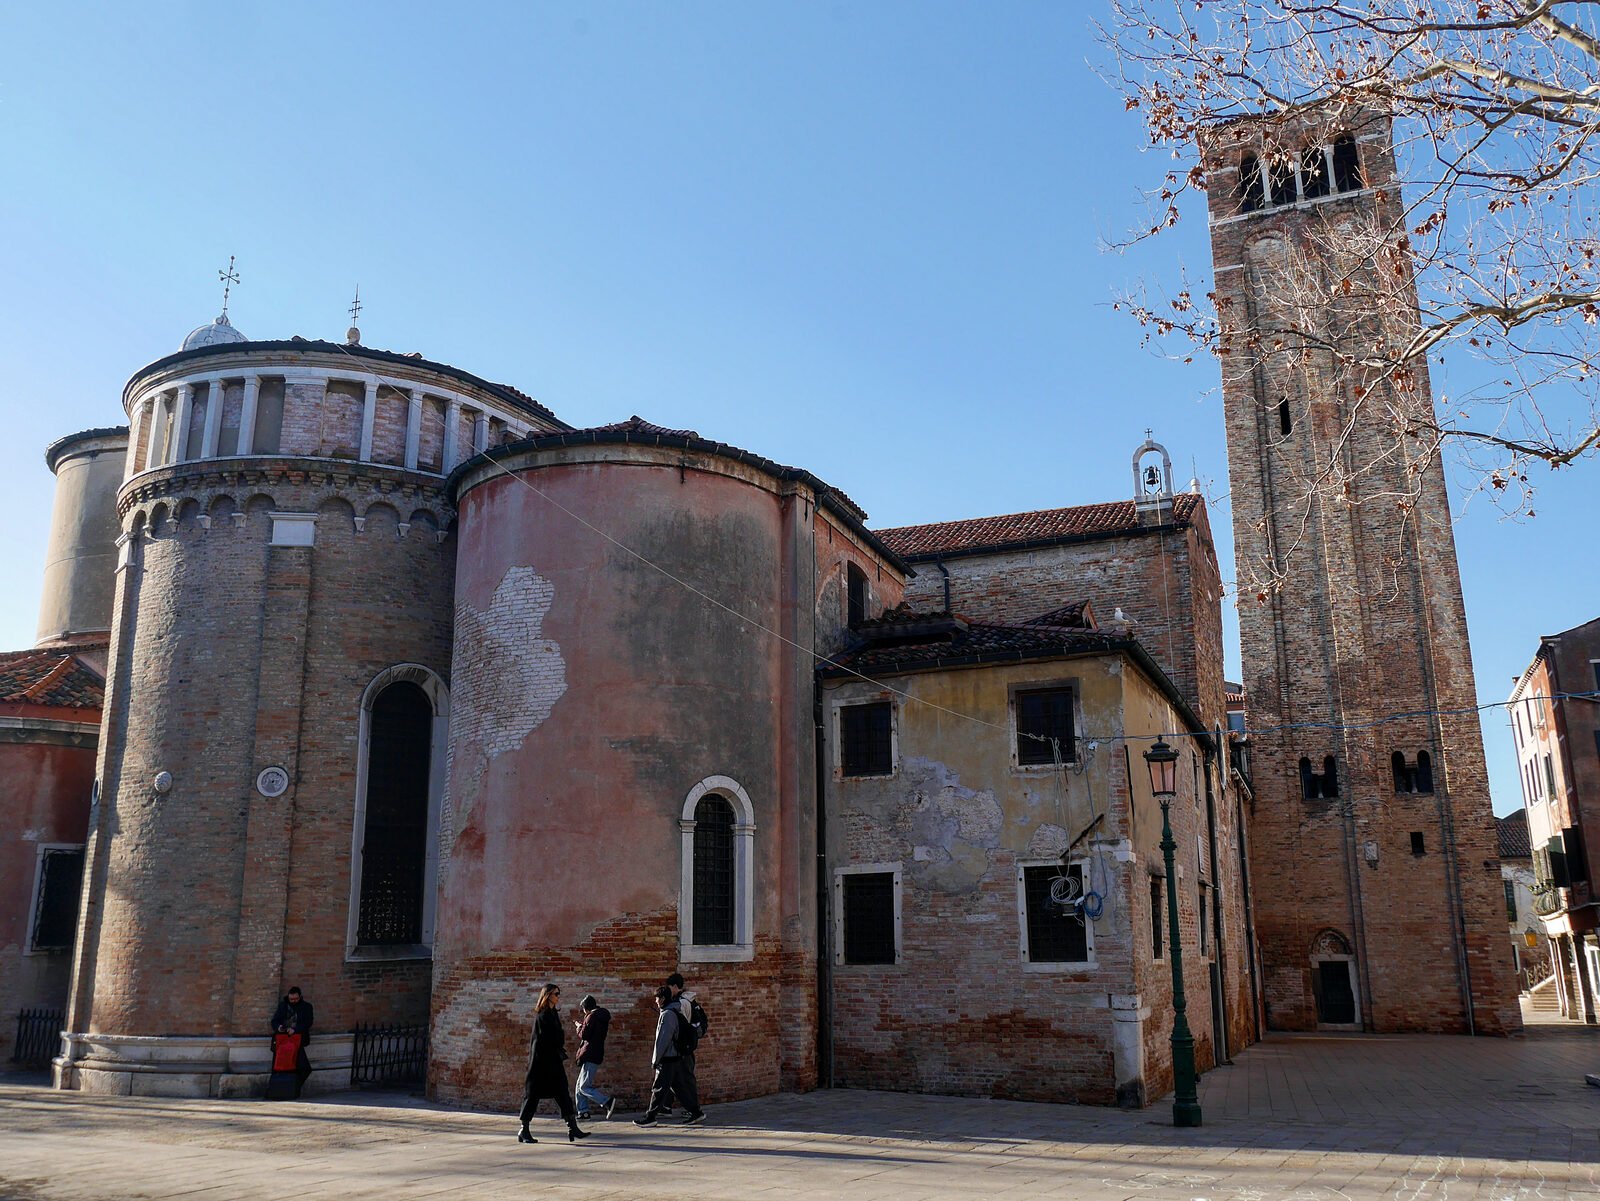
column 1252, row 197
column 1424, row 775
column 717, row 899
column 394, row 837
column 1402, row 773
column 1323, row 786
column 1346, row 164
column 1281, row 176
column 1313, row 172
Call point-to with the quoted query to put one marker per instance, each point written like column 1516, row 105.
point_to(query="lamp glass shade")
column 1163, row 762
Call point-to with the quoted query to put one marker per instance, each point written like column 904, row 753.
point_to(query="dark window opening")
column 856, row 590
column 1409, row 777
column 866, row 742
column 1313, row 172
column 1550, row 776
column 1417, row 845
column 869, row 917
column 1424, row 773
column 1251, row 196
column 713, row 872
column 55, row 916
column 1319, row 786
column 1595, row 663
column 394, row 842
column 1280, row 176
column 1158, row 919
column 1056, row 932
column 1285, row 418
column 1346, row 164
column 1511, row 901
column 1044, row 715
column 1555, row 854
column 1577, row 860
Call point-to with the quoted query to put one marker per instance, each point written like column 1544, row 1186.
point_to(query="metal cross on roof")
column 228, row 278
column 355, row 306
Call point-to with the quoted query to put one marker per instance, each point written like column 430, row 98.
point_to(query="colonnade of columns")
column 168, row 413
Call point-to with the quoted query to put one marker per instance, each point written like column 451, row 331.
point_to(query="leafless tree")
column 1496, row 106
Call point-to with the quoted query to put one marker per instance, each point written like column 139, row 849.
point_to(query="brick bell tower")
column 1378, row 895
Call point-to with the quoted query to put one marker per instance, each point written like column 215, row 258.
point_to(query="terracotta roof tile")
column 1514, row 841
column 44, row 677
column 960, row 641
column 638, row 425
column 1017, row 529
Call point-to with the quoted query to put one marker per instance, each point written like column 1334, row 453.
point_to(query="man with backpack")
column 692, row 1027
column 667, row 1057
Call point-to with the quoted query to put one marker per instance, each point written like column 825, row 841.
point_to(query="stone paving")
column 1297, row 1118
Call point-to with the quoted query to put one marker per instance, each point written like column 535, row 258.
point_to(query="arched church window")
column 1313, row 172
column 1251, row 196
column 1346, row 164
column 394, row 836
column 717, row 901
column 1280, row 175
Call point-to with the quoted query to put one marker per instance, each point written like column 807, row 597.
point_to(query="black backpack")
column 692, row 1031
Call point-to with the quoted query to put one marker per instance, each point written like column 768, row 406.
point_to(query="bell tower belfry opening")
column 1352, row 626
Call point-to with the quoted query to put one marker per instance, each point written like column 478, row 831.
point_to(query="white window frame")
column 1072, row 684
column 438, row 694
column 894, row 735
column 743, row 948
column 42, row 850
column 1089, row 962
column 864, row 869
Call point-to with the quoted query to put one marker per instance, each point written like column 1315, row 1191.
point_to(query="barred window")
column 55, row 910
column 394, row 847
column 1055, row 932
column 1044, row 714
column 866, row 739
column 868, row 916
column 713, row 872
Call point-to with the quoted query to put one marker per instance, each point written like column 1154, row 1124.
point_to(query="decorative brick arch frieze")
column 437, row 691
column 744, row 835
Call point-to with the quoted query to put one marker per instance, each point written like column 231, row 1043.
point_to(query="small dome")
column 218, row 333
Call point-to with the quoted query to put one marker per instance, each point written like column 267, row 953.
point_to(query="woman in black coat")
column 547, row 1072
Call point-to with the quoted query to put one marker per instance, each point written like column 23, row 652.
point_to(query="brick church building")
column 417, row 697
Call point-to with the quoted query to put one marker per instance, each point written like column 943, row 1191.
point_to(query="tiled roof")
column 638, row 425
column 52, row 678
column 1077, row 616
column 1023, row 529
column 962, row 643
column 1514, row 841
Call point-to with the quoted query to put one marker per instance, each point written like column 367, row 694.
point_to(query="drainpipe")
column 939, row 563
column 1219, row 969
column 824, row 899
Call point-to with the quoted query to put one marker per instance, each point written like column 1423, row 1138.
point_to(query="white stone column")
column 137, row 421
column 214, row 394
column 413, row 428
column 369, row 414
column 155, row 453
column 452, row 434
column 480, row 431
column 247, row 414
column 180, row 423
column 1128, row 1016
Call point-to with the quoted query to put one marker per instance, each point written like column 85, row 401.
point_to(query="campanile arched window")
column 716, row 906
column 399, row 782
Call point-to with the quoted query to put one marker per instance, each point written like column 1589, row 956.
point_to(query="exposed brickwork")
column 1369, row 623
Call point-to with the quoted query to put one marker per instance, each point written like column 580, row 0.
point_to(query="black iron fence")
column 389, row 1055
column 38, row 1037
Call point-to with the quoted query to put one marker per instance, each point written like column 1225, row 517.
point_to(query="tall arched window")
column 399, row 782
column 716, row 907
column 1252, row 196
column 1346, row 164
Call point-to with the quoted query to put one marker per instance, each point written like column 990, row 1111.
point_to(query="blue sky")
column 866, row 239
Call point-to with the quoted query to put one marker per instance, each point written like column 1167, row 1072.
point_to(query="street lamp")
column 1163, row 763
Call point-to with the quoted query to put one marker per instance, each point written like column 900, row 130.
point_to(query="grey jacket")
column 666, row 1036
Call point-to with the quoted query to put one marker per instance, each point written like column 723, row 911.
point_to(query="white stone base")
column 134, row 1065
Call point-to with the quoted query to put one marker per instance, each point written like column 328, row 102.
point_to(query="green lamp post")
column 1163, row 764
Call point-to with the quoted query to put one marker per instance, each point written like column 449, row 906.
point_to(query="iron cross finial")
column 228, row 278
column 1148, row 433
column 355, row 306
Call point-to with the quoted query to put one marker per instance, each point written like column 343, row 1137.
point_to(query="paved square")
column 1301, row 1118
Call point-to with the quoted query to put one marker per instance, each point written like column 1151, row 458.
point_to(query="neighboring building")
column 1376, row 888
column 1530, row 948
column 50, row 698
column 999, row 916
column 1555, row 726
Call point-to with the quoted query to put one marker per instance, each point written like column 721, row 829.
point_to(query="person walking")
column 691, row 1025
column 666, row 1059
column 592, row 1023
column 547, row 1074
